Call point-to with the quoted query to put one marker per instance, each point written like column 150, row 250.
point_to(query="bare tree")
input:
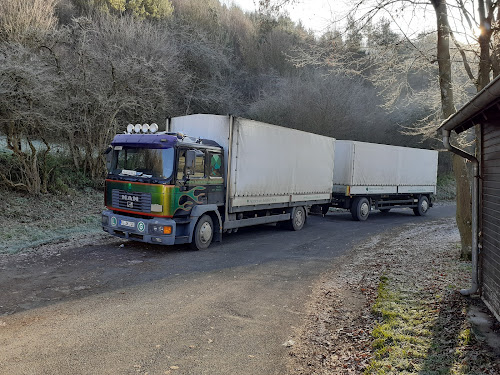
column 445, row 36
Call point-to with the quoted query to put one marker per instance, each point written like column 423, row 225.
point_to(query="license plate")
column 126, row 223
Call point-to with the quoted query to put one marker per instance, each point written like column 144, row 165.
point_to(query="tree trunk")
column 464, row 205
column 464, row 197
column 443, row 58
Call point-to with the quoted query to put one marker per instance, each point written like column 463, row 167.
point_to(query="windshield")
column 143, row 162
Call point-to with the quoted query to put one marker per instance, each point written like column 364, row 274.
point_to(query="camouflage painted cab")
column 159, row 185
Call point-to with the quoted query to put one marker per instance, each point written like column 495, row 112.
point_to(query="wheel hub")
column 205, row 232
column 424, row 205
column 364, row 209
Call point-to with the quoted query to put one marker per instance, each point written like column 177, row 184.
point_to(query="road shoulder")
column 392, row 306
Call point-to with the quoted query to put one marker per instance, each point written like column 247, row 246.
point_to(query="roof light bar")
column 142, row 128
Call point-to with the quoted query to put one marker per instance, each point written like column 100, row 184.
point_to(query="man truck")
column 171, row 188
column 210, row 174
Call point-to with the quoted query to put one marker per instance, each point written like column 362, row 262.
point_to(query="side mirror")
column 190, row 161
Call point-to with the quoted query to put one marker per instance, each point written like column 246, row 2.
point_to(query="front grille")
column 139, row 202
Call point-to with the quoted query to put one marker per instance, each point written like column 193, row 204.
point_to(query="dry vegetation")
column 74, row 72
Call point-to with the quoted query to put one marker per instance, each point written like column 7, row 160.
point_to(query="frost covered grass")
column 420, row 331
column 28, row 222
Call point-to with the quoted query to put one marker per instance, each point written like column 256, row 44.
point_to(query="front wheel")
column 360, row 209
column 423, row 206
column 203, row 233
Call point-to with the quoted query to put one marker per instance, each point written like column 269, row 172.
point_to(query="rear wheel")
column 360, row 209
column 298, row 219
column 423, row 206
column 203, row 233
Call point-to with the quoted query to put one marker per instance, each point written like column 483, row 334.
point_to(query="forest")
column 75, row 72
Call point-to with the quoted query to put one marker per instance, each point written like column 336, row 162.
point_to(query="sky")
column 320, row 16
column 316, row 15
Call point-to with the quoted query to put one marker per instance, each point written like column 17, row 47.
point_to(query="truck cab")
column 161, row 185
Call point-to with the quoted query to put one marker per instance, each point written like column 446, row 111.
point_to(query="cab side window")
column 215, row 165
column 199, row 165
column 181, row 164
column 198, row 171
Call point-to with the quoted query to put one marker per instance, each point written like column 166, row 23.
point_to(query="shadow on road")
column 57, row 273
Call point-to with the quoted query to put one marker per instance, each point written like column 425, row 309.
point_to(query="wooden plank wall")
column 490, row 214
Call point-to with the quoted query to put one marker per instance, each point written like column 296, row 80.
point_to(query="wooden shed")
column 484, row 111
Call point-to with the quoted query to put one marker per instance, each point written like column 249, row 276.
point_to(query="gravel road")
column 111, row 309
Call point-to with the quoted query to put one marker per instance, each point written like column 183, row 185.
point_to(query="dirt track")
column 143, row 309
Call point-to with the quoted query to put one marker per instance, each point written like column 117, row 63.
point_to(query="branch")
column 464, row 58
column 13, row 185
column 465, row 13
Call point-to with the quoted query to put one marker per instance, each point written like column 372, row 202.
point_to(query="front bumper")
column 137, row 229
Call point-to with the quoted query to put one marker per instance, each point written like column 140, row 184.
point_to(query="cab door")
column 215, row 173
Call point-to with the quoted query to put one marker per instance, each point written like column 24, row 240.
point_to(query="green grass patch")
column 423, row 332
column 403, row 334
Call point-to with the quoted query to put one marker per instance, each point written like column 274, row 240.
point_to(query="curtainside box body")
column 367, row 168
column 266, row 164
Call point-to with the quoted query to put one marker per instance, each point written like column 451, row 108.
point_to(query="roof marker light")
column 153, row 128
column 130, row 128
column 137, row 128
column 145, row 128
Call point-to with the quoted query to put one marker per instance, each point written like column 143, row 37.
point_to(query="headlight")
column 160, row 229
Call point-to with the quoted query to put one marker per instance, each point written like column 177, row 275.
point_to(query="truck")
column 209, row 174
column 369, row 176
column 206, row 175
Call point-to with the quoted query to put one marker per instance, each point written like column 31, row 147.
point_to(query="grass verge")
column 28, row 221
column 420, row 331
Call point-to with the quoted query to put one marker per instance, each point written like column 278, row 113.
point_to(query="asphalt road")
column 111, row 309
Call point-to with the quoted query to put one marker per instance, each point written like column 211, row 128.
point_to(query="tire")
column 423, row 206
column 203, row 233
column 298, row 220
column 385, row 210
column 360, row 209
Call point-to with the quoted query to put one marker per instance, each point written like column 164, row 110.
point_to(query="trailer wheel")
column 203, row 233
column 298, row 220
column 423, row 206
column 360, row 209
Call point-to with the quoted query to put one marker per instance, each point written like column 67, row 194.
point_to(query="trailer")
column 209, row 174
column 369, row 176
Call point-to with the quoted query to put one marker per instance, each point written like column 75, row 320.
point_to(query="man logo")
column 130, row 198
column 130, row 204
